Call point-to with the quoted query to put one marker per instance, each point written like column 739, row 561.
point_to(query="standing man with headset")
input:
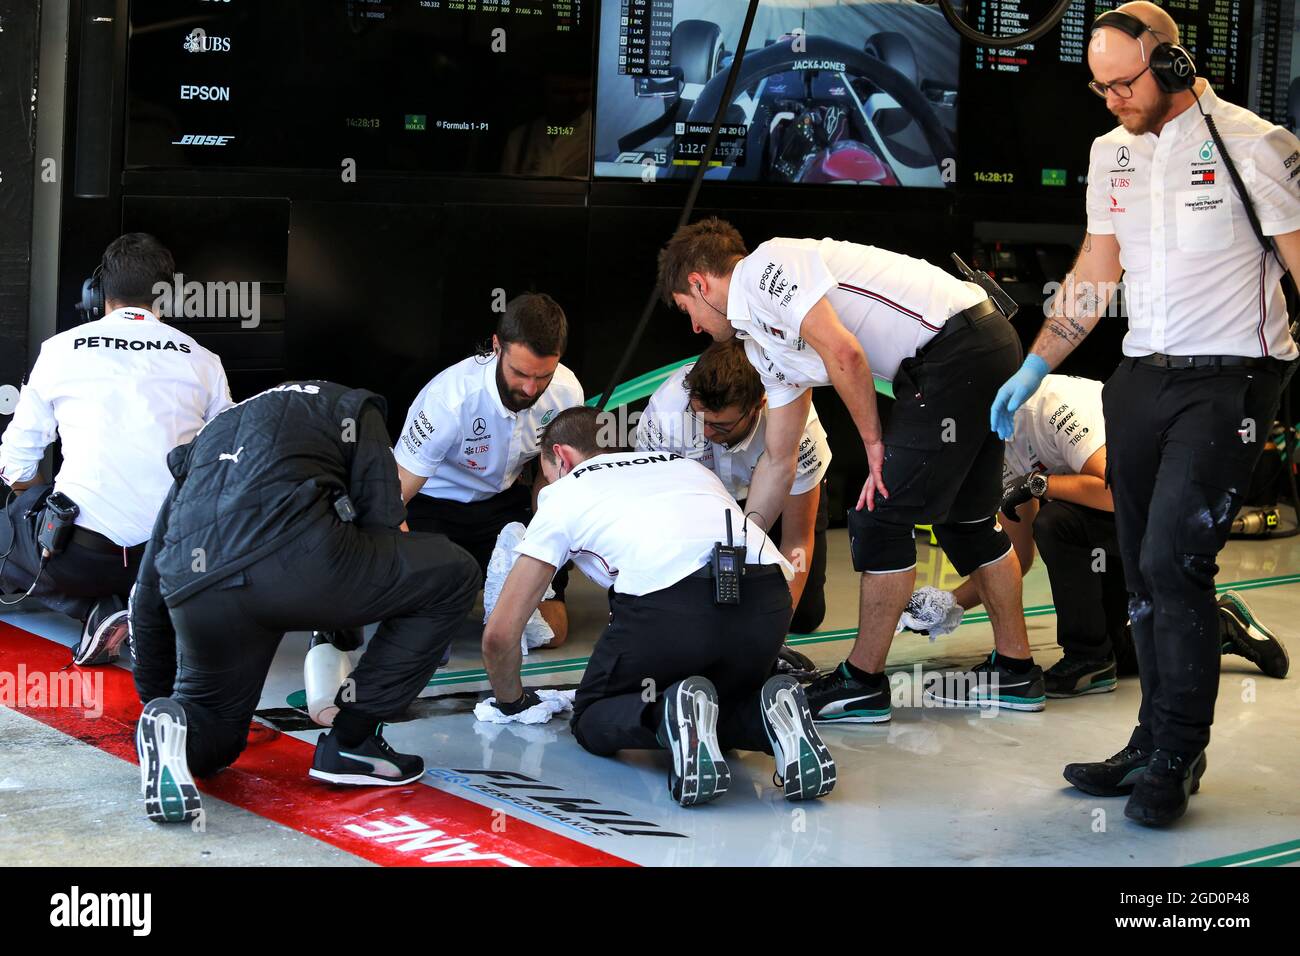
column 1206, row 356
column 119, row 393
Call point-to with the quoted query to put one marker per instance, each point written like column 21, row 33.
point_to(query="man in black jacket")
column 285, row 516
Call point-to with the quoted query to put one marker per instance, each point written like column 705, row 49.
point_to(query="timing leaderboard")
column 444, row 86
column 1041, row 94
column 1212, row 31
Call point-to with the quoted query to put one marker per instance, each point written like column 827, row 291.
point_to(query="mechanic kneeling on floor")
column 714, row 411
column 694, row 627
column 118, row 393
column 472, row 430
column 285, row 516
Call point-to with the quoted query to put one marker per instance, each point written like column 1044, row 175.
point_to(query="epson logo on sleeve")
column 192, row 139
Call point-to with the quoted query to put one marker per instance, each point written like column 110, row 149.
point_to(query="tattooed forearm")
column 1067, row 330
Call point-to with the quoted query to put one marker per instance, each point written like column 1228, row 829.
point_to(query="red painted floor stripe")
column 415, row 826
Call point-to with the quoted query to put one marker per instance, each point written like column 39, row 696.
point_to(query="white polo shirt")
column 667, row 425
column 891, row 303
column 120, row 393
column 1196, row 280
column 460, row 436
column 640, row 521
column 1058, row 428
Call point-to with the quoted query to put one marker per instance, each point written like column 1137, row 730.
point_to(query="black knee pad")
column 970, row 545
column 880, row 547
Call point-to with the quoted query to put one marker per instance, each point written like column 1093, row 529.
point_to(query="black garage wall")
column 19, row 32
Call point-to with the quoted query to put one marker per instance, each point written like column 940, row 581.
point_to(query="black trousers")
column 475, row 525
column 334, row 575
column 811, row 609
column 1181, row 446
column 1080, row 549
column 74, row 580
column 943, row 467
column 657, row 639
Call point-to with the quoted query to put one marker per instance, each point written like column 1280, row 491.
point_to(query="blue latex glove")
column 1013, row 393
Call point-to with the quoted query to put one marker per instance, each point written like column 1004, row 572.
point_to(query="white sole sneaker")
column 170, row 795
column 700, row 772
column 804, row 766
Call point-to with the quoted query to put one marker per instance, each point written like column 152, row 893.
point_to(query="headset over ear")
column 1170, row 64
column 91, row 306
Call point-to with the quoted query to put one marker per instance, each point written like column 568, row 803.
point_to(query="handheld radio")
column 728, row 566
column 57, row 519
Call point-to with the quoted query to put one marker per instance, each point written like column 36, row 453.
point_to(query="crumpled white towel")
column 552, row 702
column 931, row 609
column 536, row 632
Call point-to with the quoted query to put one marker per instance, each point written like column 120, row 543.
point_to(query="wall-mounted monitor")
column 849, row 92
column 407, row 86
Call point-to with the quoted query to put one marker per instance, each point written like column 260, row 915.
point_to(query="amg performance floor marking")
column 417, row 825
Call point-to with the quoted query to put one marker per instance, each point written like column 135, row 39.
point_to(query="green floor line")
column 822, row 637
column 1278, row 854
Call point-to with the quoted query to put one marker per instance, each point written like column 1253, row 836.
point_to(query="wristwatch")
column 1038, row 485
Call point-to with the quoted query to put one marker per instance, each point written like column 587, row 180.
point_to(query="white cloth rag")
column 931, row 609
column 552, row 702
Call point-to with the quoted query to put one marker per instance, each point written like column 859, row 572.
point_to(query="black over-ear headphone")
column 1170, row 64
column 91, row 306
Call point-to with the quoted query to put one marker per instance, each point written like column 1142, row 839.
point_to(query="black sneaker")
column 104, row 631
column 699, row 773
column 170, row 795
column 842, row 698
column 796, row 665
column 990, row 684
column 1249, row 638
column 1076, row 676
column 372, row 763
column 804, row 767
column 1160, row 794
column 1112, row 777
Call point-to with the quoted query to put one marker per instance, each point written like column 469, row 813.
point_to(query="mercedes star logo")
column 480, row 426
column 1121, row 157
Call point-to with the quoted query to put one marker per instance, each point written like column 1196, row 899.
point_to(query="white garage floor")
column 934, row 787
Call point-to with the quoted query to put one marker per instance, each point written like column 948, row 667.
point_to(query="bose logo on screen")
column 191, row 139
column 221, row 93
